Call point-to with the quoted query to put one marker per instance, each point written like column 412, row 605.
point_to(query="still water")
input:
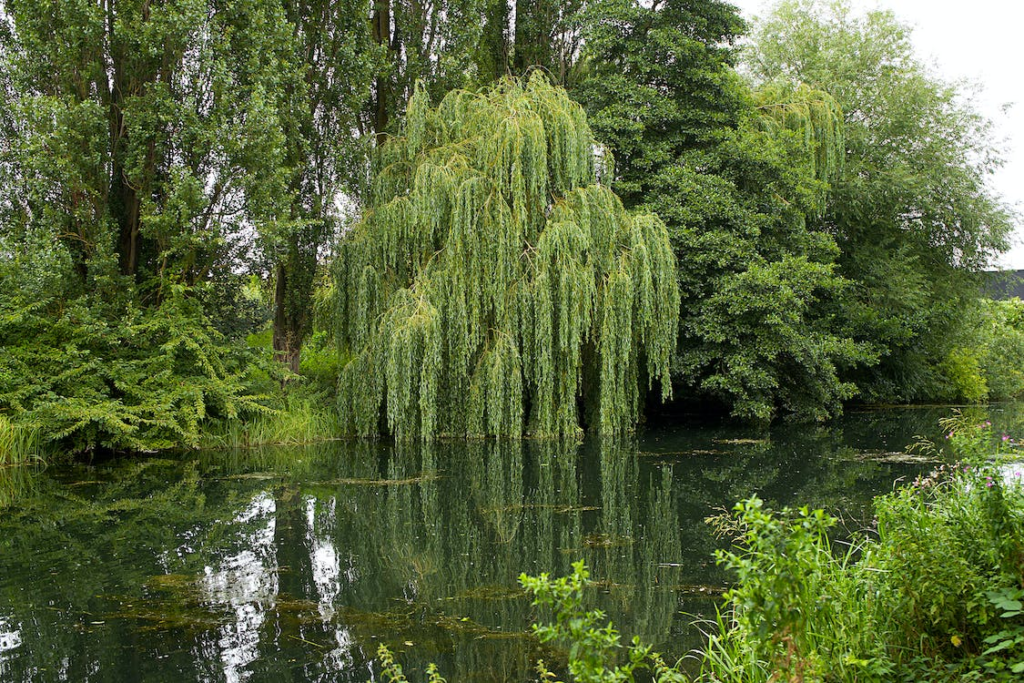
column 294, row 564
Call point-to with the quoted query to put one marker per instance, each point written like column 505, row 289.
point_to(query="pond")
column 293, row 564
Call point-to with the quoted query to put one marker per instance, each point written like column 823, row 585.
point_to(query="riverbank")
column 933, row 591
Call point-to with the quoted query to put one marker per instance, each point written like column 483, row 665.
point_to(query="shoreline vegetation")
column 933, row 591
column 533, row 231
column 226, row 225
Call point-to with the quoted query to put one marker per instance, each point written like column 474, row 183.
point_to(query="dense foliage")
column 912, row 215
column 198, row 166
column 935, row 596
column 141, row 143
column 738, row 176
column 493, row 287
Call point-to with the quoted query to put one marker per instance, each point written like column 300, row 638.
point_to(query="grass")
column 19, row 444
column 302, row 420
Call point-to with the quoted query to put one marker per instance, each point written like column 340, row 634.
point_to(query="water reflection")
column 245, row 583
column 10, row 640
column 325, row 567
column 294, row 564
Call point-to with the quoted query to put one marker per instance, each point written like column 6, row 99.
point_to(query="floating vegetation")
column 684, row 454
column 691, row 590
column 257, row 476
column 558, row 509
column 407, row 481
column 178, row 583
column 599, row 540
column 895, row 457
column 493, row 287
column 741, row 442
column 491, row 592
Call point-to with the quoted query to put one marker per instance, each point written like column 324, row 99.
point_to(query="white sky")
column 978, row 40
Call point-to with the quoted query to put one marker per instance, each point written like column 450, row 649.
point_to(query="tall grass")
column 18, row 443
column 301, row 420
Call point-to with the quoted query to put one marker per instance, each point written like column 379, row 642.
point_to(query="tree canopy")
column 734, row 173
column 493, row 287
column 191, row 188
column 913, row 215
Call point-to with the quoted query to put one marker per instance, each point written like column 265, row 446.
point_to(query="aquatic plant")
column 18, row 442
column 493, row 287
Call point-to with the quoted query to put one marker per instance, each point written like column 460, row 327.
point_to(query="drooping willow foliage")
column 817, row 121
column 493, row 288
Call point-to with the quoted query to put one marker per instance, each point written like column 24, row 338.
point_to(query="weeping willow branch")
column 493, row 288
column 815, row 119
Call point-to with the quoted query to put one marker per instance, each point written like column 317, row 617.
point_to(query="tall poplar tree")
column 333, row 61
column 434, row 42
column 493, row 288
column 143, row 128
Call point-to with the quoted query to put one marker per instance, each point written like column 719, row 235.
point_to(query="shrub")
column 84, row 373
column 936, row 595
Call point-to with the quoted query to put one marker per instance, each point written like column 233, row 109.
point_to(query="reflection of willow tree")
column 493, row 287
column 234, row 555
column 435, row 553
column 636, row 547
column 71, row 547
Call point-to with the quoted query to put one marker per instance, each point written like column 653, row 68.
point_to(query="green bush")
column 1003, row 359
column 962, row 371
column 799, row 611
column 935, row 595
column 83, row 373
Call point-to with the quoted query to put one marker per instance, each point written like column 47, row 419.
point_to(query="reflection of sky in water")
column 10, row 639
column 322, row 555
column 326, row 570
column 247, row 584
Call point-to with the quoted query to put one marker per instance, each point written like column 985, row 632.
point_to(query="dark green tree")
column 913, row 215
column 326, row 158
column 438, row 43
column 142, row 129
column 659, row 82
column 548, row 36
column 735, row 175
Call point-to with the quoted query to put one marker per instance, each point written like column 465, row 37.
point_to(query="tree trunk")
column 287, row 333
column 381, row 35
column 125, row 203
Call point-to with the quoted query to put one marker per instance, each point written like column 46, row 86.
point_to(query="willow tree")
column 814, row 121
column 493, row 287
